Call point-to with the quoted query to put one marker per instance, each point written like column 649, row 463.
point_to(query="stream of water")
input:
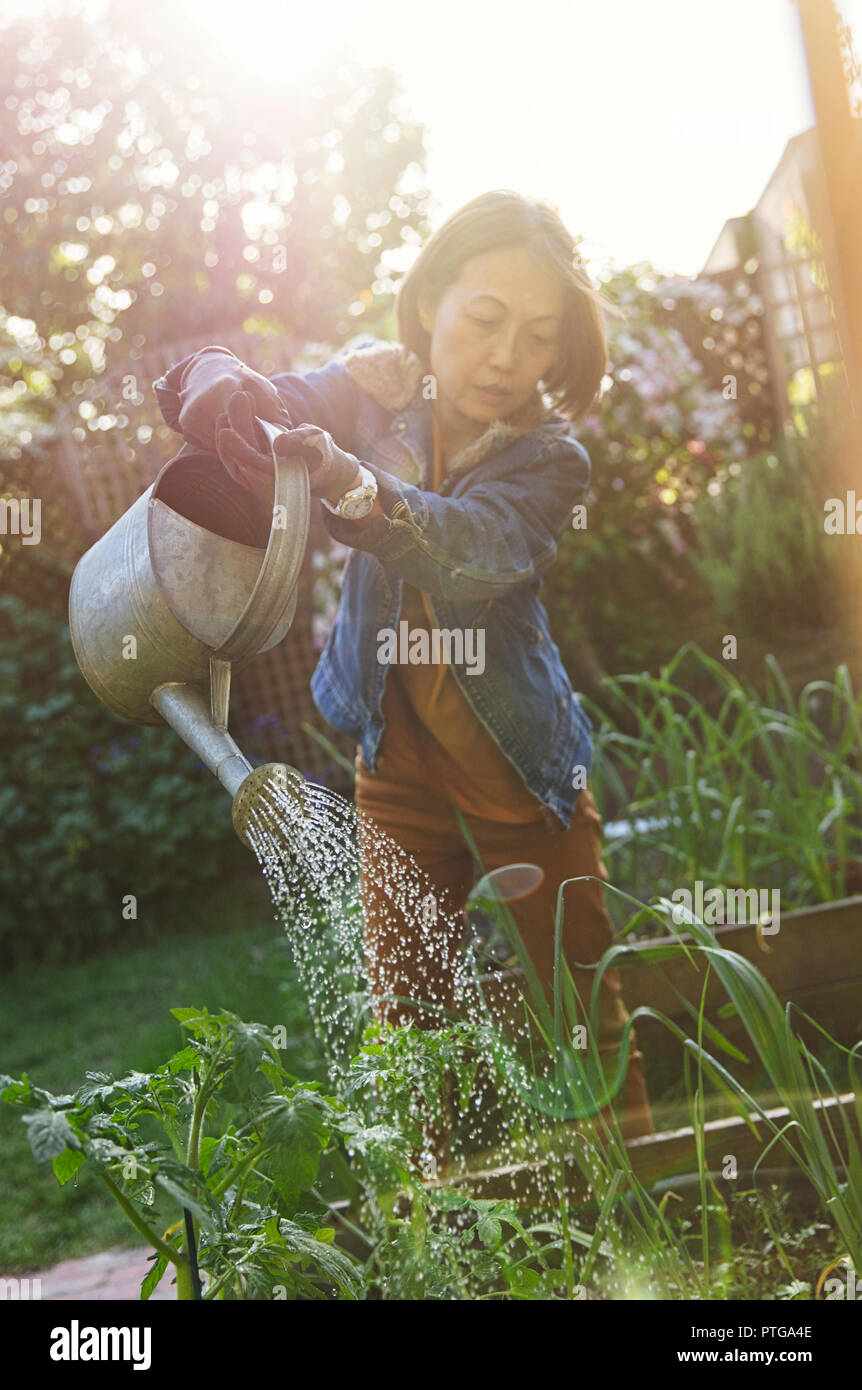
column 322, row 857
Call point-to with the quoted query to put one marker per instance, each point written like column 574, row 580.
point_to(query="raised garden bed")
column 813, row 960
column 653, row 1157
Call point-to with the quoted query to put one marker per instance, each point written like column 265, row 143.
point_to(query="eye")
column 485, row 323
column 543, row 342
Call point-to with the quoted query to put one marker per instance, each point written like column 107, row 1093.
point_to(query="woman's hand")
column 331, row 471
column 209, row 382
column 242, row 447
column 248, row 458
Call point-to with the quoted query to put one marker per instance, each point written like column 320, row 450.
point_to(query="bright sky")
column 647, row 124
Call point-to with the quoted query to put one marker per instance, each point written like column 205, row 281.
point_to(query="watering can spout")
column 256, row 791
column 184, row 708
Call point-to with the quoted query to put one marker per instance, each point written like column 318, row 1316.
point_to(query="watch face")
column 354, row 508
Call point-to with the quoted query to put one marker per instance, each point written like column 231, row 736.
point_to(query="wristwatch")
column 356, row 503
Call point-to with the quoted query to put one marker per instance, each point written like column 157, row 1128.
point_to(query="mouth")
column 493, row 393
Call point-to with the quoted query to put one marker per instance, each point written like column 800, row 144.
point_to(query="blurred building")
column 782, row 244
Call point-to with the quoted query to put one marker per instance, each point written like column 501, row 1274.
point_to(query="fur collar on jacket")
column 392, row 374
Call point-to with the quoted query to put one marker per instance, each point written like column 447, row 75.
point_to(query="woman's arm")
column 496, row 535
column 329, row 393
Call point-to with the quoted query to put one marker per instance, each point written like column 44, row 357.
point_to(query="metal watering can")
column 190, row 584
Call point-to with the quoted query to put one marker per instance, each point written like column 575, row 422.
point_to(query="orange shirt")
column 430, row 721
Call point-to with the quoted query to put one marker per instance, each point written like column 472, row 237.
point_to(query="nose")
column 503, row 350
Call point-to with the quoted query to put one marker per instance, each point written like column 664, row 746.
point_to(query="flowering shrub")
column 664, row 425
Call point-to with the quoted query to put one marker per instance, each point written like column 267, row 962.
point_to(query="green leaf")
column 212, row 1154
column 103, row 1151
column 66, row 1165
column 198, row 1022
column 250, row 1048
column 274, row 1073
column 796, row 1289
column 50, row 1133
column 329, row 1259
column 296, row 1134
column 11, row 1090
column 154, row 1276
column 99, row 1085
column 183, row 1060
column 526, row 1282
column 489, row 1230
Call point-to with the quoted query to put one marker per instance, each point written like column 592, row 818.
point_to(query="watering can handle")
column 279, row 573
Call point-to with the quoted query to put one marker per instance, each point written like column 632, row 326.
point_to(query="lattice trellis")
column 112, row 443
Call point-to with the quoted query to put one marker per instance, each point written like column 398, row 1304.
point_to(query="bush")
column 623, row 591
column 93, row 808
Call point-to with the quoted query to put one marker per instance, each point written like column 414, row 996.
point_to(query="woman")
column 442, row 468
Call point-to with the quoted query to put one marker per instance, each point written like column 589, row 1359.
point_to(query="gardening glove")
column 207, row 384
column 331, row 471
column 243, row 448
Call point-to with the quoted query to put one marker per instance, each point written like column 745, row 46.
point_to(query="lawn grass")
column 112, row 1013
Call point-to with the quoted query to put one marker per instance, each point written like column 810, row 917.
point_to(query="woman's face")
column 494, row 334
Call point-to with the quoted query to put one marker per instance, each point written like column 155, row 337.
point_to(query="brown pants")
column 420, row 964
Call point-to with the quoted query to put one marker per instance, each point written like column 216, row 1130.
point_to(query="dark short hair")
column 505, row 218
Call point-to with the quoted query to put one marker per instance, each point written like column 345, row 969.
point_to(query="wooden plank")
column 655, row 1156
column 813, row 946
column 815, row 960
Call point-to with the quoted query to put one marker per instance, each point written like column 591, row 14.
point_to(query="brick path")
column 115, row 1274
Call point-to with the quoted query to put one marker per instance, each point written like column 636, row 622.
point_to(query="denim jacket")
column 478, row 547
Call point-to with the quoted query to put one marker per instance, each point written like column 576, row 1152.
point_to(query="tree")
column 148, row 194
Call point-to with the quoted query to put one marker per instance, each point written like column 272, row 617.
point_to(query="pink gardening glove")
column 209, row 381
column 246, row 454
column 243, row 448
column 331, row 471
